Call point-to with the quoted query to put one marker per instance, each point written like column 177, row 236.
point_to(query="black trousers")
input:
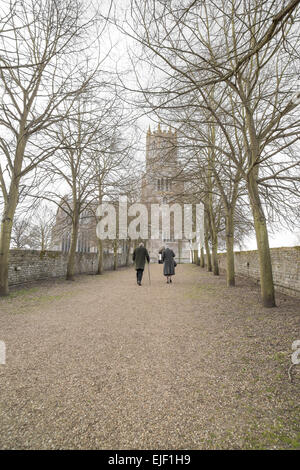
column 139, row 275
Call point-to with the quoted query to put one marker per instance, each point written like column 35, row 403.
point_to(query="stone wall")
column 285, row 264
column 29, row 265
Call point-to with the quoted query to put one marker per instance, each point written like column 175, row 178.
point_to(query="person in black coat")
column 140, row 255
column 168, row 256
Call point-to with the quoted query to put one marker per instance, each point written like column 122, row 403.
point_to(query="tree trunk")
column 202, row 261
column 43, row 239
column 72, row 251
column 6, row 227
column 9, row 213
column 262, row 239
column 100, row 256
column 230, row 274
column 179, row 251
column 215, row 254
column 115, row 255
column 5, row 237
column 128, row 246
column 207, row 251
column 214, row 243
column 260, row 225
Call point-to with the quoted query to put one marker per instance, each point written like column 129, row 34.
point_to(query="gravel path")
column 102, row 363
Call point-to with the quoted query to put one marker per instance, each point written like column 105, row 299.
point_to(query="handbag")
column 175, row 264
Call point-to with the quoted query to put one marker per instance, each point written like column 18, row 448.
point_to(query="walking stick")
column 149, row 274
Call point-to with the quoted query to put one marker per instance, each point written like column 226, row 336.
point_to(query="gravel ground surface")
column 101, row 363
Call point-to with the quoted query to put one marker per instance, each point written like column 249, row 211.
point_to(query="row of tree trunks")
column 261, row 231
column 115, row 266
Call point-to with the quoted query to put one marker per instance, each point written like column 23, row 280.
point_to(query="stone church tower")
column 161, row 184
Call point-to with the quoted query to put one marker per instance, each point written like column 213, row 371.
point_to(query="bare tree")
column 48, row 36
column 195, row 44
column 71, row 168
column 114, row 176
column 40, row 229
column 20, row 232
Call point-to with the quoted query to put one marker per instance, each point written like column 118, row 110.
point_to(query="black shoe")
column 139, row 283
column 170, row 280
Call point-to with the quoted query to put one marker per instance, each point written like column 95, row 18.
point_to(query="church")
column 162, row 184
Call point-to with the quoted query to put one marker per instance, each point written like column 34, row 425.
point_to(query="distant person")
column 140, row 255
column 168, row 256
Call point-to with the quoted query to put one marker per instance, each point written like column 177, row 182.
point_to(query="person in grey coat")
column 140, row 255
column 168, row 256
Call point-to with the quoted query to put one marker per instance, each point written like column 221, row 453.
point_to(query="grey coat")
column 140, row 255
column 168, row 260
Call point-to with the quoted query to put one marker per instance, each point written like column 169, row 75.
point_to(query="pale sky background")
column 282, row 238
